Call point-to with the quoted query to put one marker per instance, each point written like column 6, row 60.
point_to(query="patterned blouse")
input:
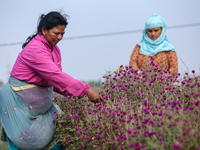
column 165, row 60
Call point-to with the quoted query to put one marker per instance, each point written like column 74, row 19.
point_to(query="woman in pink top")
column 26, row 109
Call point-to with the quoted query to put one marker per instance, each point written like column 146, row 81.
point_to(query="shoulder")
column 35, row 49
column 171, row 52
column 136, row 48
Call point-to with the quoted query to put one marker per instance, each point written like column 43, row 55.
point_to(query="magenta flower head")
column 193, row 71
column 176, row 146
column 160, row 113
column 104, row 141
column 147, row 111
column 153, row 113
column 124, row 137
column 196, row 103
column 89, row 112
column 138, row 127
column 129, row 131
column 186, row 95
column 169, row 117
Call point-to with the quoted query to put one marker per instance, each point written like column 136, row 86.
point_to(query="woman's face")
column 54, row 35
column 154, row 33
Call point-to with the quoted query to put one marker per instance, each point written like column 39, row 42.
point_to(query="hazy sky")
column 89, row 58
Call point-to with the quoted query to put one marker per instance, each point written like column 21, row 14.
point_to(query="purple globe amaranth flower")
column 163, row 104
column 89, row 112
column 193, row 71
column 176, row 146
column 175, row 102
column 191, row 107
column 147, row 112
column 124, row 137
column 151, row 133
column 196, row 103
column 138, row 127
column 104, row 141
column 129, row 131
column 153, row 113
column 186, row 95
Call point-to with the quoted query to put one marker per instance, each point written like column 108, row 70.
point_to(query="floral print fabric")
column 165, row 60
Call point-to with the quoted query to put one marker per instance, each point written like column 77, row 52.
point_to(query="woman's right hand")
column 94, row 96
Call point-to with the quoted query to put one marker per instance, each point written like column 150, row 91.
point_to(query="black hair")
column 49, row 21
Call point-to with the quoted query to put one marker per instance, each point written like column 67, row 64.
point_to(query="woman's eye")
column 155, row 30
column 149, row 30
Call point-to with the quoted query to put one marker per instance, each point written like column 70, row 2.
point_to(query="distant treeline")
column 94, row 83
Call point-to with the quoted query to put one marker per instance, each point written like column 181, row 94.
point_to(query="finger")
column 102, row 99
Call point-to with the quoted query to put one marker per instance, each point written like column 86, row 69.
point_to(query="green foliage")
column 4, row 146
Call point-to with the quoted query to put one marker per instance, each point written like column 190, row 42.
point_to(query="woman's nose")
column 60, row 36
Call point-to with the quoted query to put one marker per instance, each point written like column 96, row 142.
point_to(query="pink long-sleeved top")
column 39, row 63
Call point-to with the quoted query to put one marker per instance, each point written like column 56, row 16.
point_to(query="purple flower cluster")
column 141, row 110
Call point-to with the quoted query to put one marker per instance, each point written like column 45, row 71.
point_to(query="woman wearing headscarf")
column 26, row 106
column 155, row 46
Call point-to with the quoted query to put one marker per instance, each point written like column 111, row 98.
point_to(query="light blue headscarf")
column 149, row 47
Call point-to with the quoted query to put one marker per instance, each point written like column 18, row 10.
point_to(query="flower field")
column 146, row 110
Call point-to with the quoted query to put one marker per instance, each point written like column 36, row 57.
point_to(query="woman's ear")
column 44, row 31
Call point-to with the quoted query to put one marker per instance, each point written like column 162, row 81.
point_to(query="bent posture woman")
column 155, row 45
column 26, row 107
